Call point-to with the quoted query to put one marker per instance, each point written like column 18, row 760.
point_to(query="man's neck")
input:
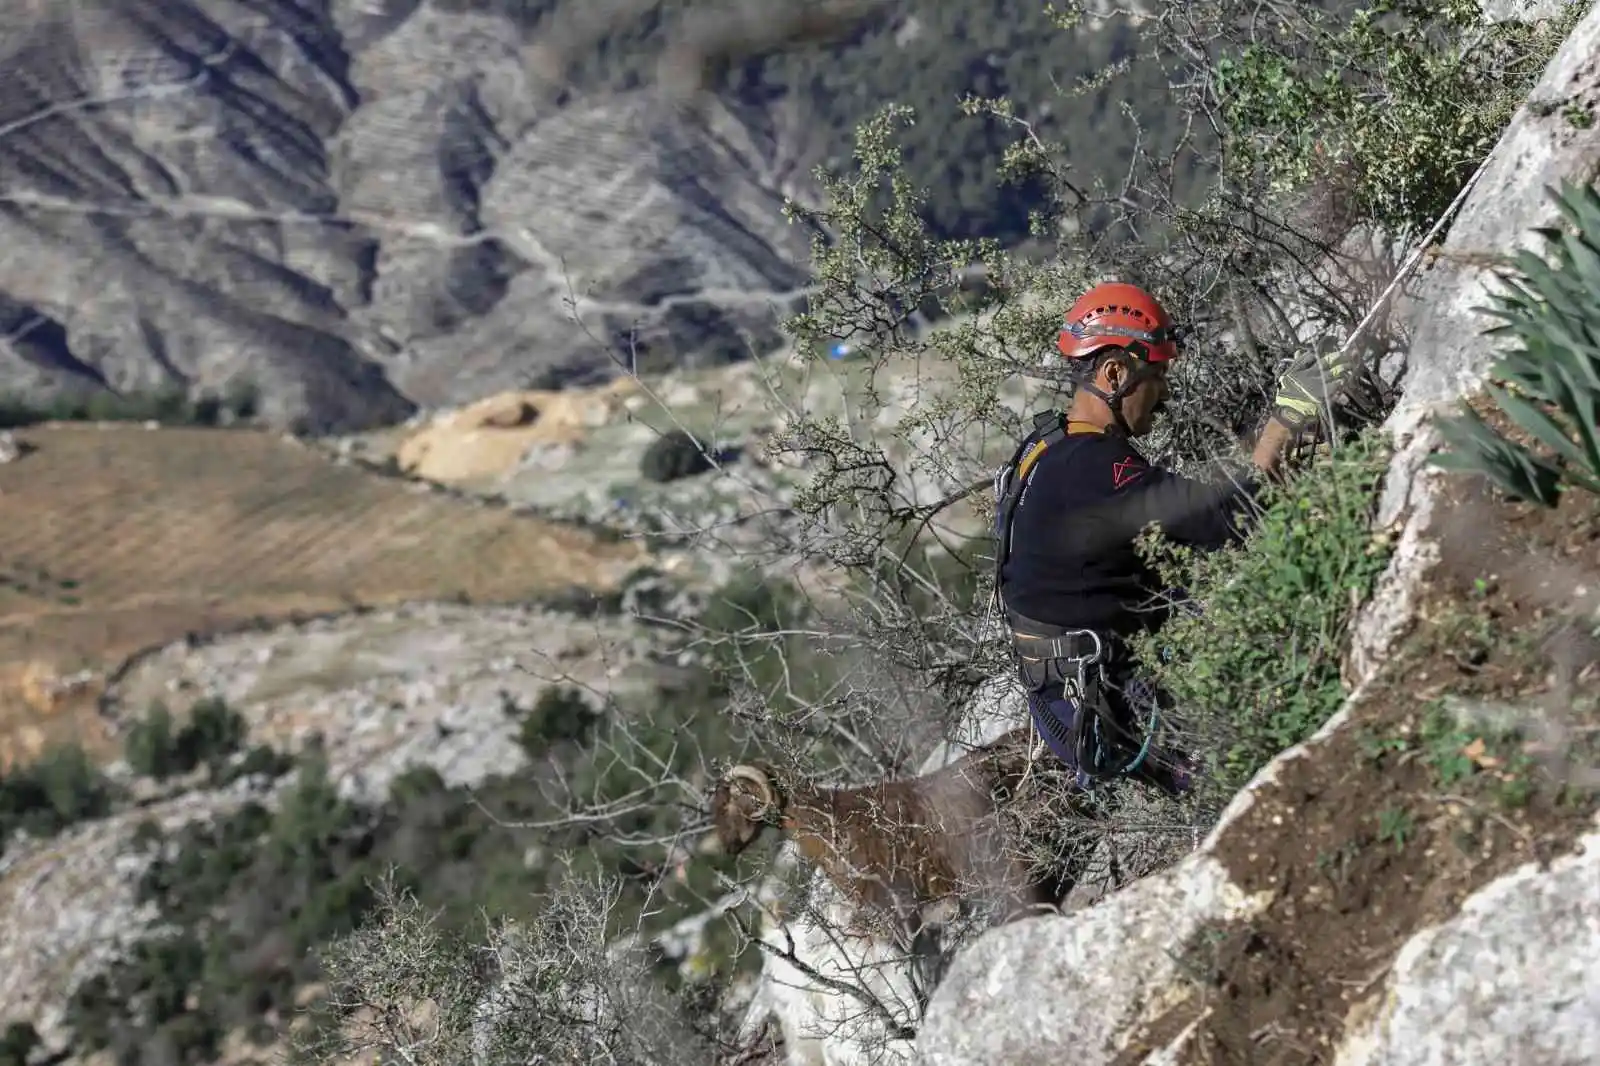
column 1087, row 414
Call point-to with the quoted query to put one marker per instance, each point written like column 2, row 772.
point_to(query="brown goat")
column 897, row 845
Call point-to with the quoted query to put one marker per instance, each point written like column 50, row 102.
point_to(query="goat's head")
column 744, row 803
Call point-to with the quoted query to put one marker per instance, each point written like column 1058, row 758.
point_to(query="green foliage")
column 242, row 899
column 17, row 1043
column 1444, row 745
column 1483, row 755
column 873, row 225
column 59, row 789
column 1549, row 382
column 561, row 714
column 880, row 266
column 1402, row 99
column 150, row 743
column 1258, row 670
column 247, row 902
column 1395, row 826
column 213, row 733
column 673, row 455
column 170, row 406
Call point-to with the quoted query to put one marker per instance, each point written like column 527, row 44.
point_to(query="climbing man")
column 1070, row 506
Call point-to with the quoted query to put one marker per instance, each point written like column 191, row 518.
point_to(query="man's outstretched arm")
column 1207, row 513
column 1274, row 440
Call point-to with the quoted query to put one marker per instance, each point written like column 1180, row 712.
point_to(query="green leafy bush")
column 59, row 789
column 168, row 405
column 1549, row 382
column 671, row 456
column 213, row 732
column 561, row 714
column 1402, row 99
column 17, row 1043
column 1257, row 670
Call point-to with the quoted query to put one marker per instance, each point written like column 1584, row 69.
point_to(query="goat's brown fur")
column 892, row 844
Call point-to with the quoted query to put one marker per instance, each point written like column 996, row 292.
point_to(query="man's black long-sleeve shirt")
column 1073, row 562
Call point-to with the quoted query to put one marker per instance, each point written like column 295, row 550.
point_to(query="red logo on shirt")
column 1124, row 471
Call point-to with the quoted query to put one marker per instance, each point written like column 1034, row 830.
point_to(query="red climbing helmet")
column 1115, row 314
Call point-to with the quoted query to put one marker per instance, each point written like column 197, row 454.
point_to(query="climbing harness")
column 1046, row 656
column 1011, row 484
column 1078, row 661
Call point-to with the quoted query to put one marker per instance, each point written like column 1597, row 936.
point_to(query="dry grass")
column 117, row 539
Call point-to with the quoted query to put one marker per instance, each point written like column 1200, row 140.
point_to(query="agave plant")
column 1549, row 383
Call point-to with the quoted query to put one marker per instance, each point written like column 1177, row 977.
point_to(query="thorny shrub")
column 673, row 455
column 556, row 989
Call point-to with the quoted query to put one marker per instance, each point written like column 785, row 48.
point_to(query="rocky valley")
column 508, row 529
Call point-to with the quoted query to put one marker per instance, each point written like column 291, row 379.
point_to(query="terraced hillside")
column 118, row 539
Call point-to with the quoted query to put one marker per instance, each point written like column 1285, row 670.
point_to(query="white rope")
column 1416, row 256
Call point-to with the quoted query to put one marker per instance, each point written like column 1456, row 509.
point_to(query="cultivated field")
column 119, row 538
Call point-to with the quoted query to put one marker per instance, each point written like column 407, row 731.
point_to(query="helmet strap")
column 1113, row 402
column 1137, row 372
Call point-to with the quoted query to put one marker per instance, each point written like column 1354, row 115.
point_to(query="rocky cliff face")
column 1351, row 908
column 356, row 207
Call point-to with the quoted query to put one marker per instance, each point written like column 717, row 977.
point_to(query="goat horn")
column 759, row 781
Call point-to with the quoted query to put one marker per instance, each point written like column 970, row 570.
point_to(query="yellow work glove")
column 1311, row 384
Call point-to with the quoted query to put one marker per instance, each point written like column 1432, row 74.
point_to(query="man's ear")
column 1112, row 370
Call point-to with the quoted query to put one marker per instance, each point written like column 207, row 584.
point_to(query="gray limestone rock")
column 1512, row 978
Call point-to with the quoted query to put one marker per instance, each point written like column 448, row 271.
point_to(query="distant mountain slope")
column 362, row 206
column 356, row 210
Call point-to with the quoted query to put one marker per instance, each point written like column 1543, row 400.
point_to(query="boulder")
column 1083, row 983
column 1512, row 978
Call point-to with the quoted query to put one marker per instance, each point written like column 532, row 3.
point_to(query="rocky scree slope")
column 355, row 208
column 382, row 692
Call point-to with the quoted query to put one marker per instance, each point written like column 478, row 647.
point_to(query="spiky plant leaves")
column 1549, row 383
column 1475, row 448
